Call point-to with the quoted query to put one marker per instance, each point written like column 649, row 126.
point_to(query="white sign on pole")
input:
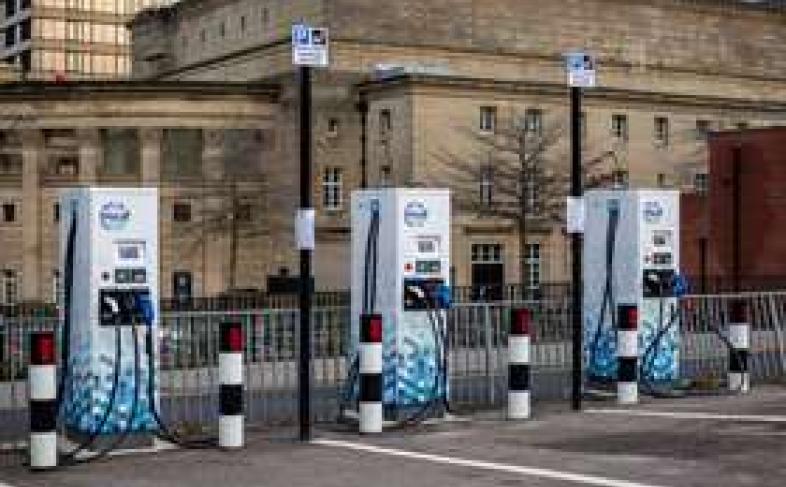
column 581, row 70
column 310, row 46
column 576, row 214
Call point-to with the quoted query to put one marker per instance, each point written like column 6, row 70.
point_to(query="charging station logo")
column 415, row 214
column 653, row 211
column 114, row 216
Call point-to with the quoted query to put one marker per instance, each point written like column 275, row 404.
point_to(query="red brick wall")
column 762, row 207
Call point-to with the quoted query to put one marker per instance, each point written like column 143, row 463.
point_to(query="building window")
column 56, row 212
column 619, row 127
column 10, row 8
column 486, row 187
column 57, row 287
column 701, row 183
column 332, row 129
column 66, row 166
column 486, row 253
column 386, row 176
column 662, row 131
column 26, row 60
column 531, row 196
column 203, row 36
column 742, row 125
column 222, row 30
column 10, row 293
column 385, row 122
column 25, row 30
column 265, row 16
column 533, row 121
column 532, row 266
column 242, row 23
column 182, row 285
column 331, row 188
column 488, row 119
column 182, row 152
column 24, row 4
column 9, row 212
column 244, row 212
column 702, row 129
column 181, row 212
column 121, row 151
column 661, row 180
column 10, row 35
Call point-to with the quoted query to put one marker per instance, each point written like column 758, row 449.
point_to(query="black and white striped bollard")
column 230, row 379
column 627, row 354
column 370, row 374
column 43, row 401
column 519, row 364
column 740, row 339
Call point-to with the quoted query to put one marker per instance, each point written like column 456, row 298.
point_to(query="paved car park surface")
column 699, row 441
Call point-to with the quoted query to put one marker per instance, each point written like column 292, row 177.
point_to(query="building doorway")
column 488, row 272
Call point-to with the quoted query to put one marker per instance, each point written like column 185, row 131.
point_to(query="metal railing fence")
column 477, row 360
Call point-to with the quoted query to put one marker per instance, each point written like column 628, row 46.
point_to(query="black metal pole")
column 703, row 263
column 363, row 109
column 736, row 216
column 304, row 363
column 575, row 247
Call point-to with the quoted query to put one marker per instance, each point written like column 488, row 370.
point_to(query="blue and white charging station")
column 632, row 257
column 109, row 253
column 401, row 270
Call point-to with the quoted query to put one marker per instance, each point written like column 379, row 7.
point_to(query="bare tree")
column 519, row 174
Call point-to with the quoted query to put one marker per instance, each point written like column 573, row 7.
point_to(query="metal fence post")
column 777, row 323
column 488, row 336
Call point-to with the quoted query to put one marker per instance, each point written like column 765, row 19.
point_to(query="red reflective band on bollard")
column 738, row 312
column 371, row 329
column 521, row 321
column 42, row 348
column 628, row 317
column 231, row 337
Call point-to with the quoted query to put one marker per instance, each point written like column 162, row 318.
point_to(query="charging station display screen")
column 428, row 246
column 130, row 251
column 428, row 266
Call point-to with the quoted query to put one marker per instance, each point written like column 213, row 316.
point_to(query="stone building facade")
column 188, row 139
column 670, row 72
column 409, row 80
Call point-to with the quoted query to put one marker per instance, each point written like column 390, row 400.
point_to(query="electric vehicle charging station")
column 400, row 269
column 111, row 298
column 631, row 257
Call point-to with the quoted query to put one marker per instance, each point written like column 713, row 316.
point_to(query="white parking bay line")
column 742, row 418
column 497, row 467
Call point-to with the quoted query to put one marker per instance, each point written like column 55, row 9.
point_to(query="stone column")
column 216, row 233
column 90, row 156
column 30, row 214
column 150, row 139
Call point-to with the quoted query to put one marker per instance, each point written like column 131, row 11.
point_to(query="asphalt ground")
column 702, row 441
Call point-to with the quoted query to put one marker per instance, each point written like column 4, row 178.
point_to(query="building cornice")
column 413, row 81
column 15, row 91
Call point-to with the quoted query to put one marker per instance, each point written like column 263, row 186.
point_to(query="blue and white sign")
column 415, row 214
column 581, row 70
column 114, row 215
column 310, row 46
column 653, row 212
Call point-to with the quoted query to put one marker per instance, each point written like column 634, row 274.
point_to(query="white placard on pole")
column 310, row 46
column 581, row 70
column 575, row 215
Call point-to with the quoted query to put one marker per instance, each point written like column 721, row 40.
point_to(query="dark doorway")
column 182, row 285
column 488, row 272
